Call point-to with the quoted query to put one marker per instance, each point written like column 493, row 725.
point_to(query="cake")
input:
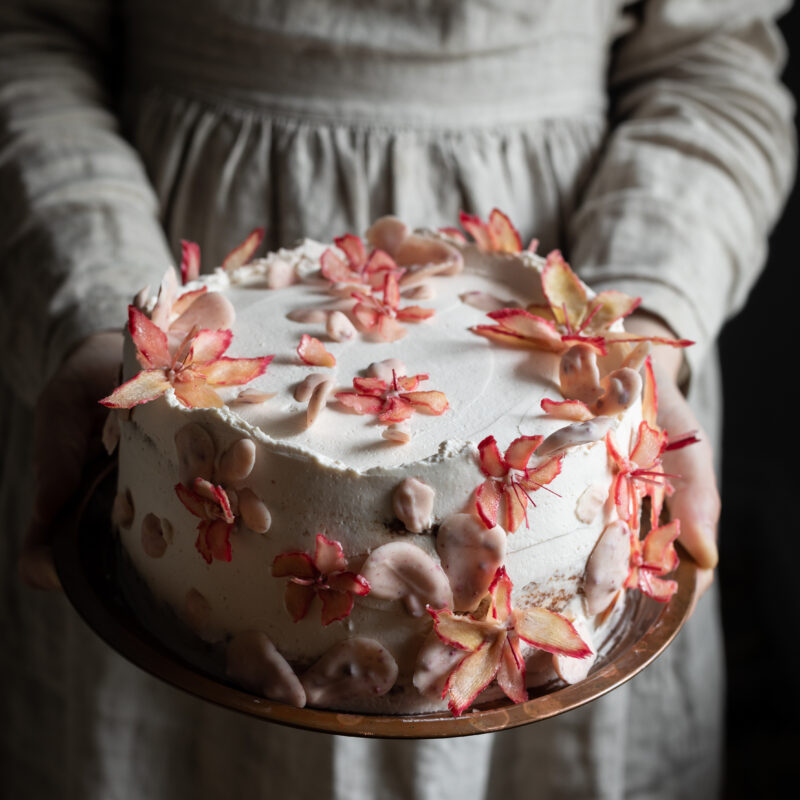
column 391, row 475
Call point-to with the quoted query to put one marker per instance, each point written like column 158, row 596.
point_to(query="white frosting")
column 338, row 476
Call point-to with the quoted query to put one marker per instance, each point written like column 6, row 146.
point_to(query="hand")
column 68, row 421
column 695, row 501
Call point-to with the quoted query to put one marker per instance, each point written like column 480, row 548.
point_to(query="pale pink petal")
column 243, row 253
column 146, row 386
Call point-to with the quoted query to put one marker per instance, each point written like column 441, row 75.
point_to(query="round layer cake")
column 377, row 545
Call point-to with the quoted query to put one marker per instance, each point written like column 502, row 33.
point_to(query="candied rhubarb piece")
column 243, row 253
column 313, row 352
column 190, row 261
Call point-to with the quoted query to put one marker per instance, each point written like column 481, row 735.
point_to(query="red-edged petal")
column 190, row 261
column 395, row 409
column 658, row 551
column 349, row 582
column 390, row 330
column 186, row 300
column 335, row 269
column 414, row 313
column 511, row 675
column 391, row 291
column 335, row 605
column 657, row 588
column 328, row 555
column 502, row 234
column 487, row 501
column 649, row 395
column 492, row 462
column 519, row 452
column 209, row 345
column 361, row 404
column 408, row 383
column 297, row 597
column 460, row 632
column 379, row 261
column 650, row 444
column 474, row 674
column 550, row 631
column 607, row 307
column 218, row 539
column 372, row 386
column 534, row 479
column 242, row 253
column 516, row 507
column 564, row 292
column 144, row 387
column 313, row 352
column 233, row 371
column 194, row 502
column 536, row 331
column 454, row 233
column 434, row 403
column 500, row 591
column 477, row 229
column 366, row 315
column 151, row 342
column 293, row 565
column 573, row 410
column 193, row 391
column 352, row 246
column 201, row 542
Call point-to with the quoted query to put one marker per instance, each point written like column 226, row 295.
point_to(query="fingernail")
column 706, row 555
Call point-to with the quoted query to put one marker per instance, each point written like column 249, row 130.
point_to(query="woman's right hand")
column 68, row 423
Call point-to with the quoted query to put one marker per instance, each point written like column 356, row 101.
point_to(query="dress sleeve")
column 79, row 233
column 699, row 158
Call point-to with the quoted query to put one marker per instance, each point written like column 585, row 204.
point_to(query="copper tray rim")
column 84, row 590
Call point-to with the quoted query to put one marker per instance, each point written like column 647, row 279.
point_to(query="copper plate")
column 85, row 552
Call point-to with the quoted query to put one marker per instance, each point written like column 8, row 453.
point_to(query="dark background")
column 759, row 571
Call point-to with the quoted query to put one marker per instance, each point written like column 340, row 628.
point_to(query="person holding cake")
column 650, row 141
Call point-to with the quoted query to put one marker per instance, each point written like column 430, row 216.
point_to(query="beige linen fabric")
column 649, row 140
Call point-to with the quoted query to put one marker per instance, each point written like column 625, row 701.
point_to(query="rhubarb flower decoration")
column 493, row 645
column 653, row 557
column 384, row 316
column 210, row 503
column 192, row 371
column 361, row 268
column 395, row 401
column 497, row 235
column 324, row 575
column 504, row 496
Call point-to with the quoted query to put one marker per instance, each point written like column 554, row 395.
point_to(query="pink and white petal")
column 658, row 552
column 515, row 507
column 335, row 605
column 201, row 542
column 378, row 263
column 492, row 462
column 349, row 582
column 434, row 403
column 360, row 403
column 473, row 675
column 218, row 539
column 395, row 409
column 408, row 383
column 371, row 386
column 328, row 555
column 194, row 502
column 233, row 371
column 503, row 235
column 572, row 410
column 649, row 395
column 477, row 229
column 186, row 300
column 487, row 501
column 334, row 268
column 564, row 291
column 609, row 306
column 244, row 252
column 545, row 473
column 313, row 352
column 390, row 330
column 297, row 599
column 209, row 345
column 190, row 261
column 511, row 674
column 414, row 313
column 495, row 333
column 650, row 444
column 519, row 452
column 294, row 565
column 655, row 587
column 167, row 293
column 196, row 393
column 540, row 332
column 144, row 387
column 151, row 342
column 500, row 592
column 353, row 248
column 461, row 632
column 550, row 631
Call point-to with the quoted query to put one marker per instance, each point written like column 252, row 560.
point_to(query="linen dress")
column 650, row 141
